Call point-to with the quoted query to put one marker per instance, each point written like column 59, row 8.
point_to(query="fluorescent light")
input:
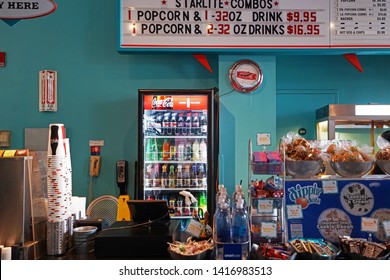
column 372, row 110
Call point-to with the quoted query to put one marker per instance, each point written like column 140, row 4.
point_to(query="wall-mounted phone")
column 123, row 213
column 94, row 166
column 122, row 174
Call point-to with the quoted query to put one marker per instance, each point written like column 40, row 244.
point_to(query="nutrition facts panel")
column 360, row 22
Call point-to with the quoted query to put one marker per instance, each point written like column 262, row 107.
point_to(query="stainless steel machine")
column 22, row 206
column 334, row 120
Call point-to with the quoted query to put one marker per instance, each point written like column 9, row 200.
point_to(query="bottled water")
column 222, row 228
column 240, row 227
column 203, row 150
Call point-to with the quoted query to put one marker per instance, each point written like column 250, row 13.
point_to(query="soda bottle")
column 171, row 208
column 203, row 201
column 203, row 151
column 195, row 125
column 172, row 176
column 195, row 150
column 166, row 150
column 150, row 196
column 179, row 205
column 180, row 125
column 164, row 177
column 180, row 151
column 165, row 125
column 149, row 124
column 179, row 176
column 159, row 148
column 188, row 151
column 187, row 125
column 159, row 125
column 156, row 176
column 187, row 177
column 172, row 150
column 151, row 150
column 148, row 176
column 173, row 124
column 148, row 149
column 203, row 124
column 202, row 178
column 194, row 176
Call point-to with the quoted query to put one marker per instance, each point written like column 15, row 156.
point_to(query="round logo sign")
column 357, row 199
column 246, row 76
column 334, row 222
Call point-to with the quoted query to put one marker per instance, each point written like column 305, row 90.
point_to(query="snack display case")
column 178, row 150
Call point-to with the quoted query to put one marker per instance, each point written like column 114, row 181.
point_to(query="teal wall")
column 97, row 89
column 242, row 116
column 97, row 86
column 315, row 81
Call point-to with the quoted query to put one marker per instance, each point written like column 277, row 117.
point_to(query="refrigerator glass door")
column 175, row 155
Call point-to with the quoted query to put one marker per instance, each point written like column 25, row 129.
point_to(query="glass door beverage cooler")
column 178, row 150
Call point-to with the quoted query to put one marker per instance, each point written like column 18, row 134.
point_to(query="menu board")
column 252, row 24
column 358, row 23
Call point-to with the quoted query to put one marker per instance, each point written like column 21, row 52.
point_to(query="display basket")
column 277, row 202
column 362, row 249
column 355, row 256
column 260, row 168
column 267, row 210
column 314, row 249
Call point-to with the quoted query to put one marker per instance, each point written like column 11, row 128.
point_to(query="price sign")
column 223, row 23
column 359, row 23
column 253, row 24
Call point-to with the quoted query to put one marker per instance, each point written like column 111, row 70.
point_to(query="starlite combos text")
column 305, row 195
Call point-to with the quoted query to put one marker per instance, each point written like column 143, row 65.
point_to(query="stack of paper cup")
column 59, row 189
column 68, row 173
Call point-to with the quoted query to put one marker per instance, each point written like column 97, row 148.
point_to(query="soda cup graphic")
column 56, row 140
